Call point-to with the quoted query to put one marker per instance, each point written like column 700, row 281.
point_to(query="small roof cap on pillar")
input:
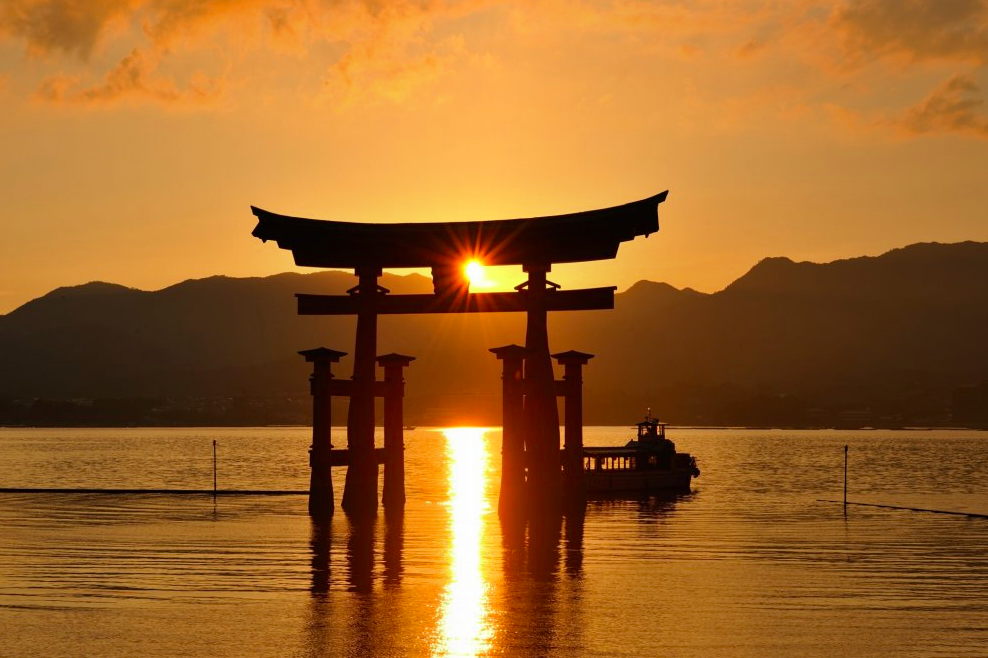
column 394, row 358
column 572, row 356
column 322, row 354
column 510, row 352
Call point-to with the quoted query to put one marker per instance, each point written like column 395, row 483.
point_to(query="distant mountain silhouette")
column 884, row 339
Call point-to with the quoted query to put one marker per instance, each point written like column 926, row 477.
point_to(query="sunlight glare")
column 464, row 627
column 474, row 271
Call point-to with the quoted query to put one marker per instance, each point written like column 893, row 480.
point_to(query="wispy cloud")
column 131, row 79
column 906, row 38
column 369, row 70
column 384, row 47
column 954, row 107
column 811, row 55
column 70, row 27
column 915, row 30
column 393, row 49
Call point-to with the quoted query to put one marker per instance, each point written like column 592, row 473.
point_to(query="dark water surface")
column 748, row 564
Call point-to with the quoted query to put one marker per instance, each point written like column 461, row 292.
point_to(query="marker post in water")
column 845, row 479
column 214, row 471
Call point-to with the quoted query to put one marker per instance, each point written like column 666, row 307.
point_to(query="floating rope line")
column 179, row 492
column 910, row 509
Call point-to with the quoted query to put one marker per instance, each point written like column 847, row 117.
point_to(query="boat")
column 646, row 463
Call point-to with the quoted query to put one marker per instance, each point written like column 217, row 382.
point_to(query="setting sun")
column 475, row 273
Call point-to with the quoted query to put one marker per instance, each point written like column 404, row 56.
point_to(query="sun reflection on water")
column 464, row 627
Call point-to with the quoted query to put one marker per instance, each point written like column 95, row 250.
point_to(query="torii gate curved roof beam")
column 575, row 237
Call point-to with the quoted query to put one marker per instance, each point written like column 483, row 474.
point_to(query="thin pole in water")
column 845, row 480
column 214, row 471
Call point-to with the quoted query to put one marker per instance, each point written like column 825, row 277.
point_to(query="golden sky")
column 135, row 134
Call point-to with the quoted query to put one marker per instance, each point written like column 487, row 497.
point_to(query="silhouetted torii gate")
column 534, row 243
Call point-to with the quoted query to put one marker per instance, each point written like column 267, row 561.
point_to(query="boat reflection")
column 648, row 506
column 464, row 624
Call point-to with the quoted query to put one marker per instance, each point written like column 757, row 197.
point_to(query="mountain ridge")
column 895, row 333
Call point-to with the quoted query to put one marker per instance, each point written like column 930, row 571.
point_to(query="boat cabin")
column 610, row 459
column 651, row 429
column 649, row 451
column 648, row 462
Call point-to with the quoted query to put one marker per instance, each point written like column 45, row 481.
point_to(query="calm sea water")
column 748, row 564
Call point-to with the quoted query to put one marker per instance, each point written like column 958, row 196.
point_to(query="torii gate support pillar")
column 572, row 389
column 321, row 501
column 512, row 358
column 393, row 496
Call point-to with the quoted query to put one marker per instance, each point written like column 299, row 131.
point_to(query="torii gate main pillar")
column 541, row 414
column 360, row 490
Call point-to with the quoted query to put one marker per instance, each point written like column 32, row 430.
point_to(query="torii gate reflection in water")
column 531, row 472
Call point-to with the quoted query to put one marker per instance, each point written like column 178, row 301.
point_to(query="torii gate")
column 534, row 243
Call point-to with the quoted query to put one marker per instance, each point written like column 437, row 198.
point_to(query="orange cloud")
column 384, row 47
column 390, row 74
column 879, row 48
column 70, row 27
column 187, row 51
column 131, row 78
column 915, row 29
column 951, row 107
column 750, row 48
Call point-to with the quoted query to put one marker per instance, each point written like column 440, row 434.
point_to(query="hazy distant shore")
column 917, row 428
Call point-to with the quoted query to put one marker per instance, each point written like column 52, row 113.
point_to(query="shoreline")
column 801, row 428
